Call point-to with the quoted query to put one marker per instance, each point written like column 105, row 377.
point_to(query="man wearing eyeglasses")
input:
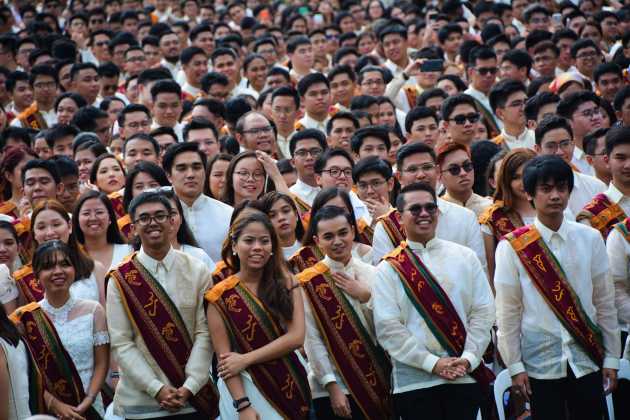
column 507, row 99
column 457, row 175
column 305, row 147
column 254, row 132
column 436, row 349
column 416, row 162
column 584, row 112
column 482, row 73
column 159, row 289
column 375, row 181
column 460, row 118
column 554, row 136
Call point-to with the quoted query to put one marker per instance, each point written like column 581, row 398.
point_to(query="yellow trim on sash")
column 396, row 252
column 123, row 221
column 485, row 217
column 526, row 239
column 386, row 215
column 22, row 272
column 16, row 316
column 311, row 272
column 217, row 291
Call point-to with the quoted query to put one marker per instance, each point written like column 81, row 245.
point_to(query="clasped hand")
column 451, row 368
column 173, row 399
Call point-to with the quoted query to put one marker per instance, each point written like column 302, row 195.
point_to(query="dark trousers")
column 621, row 401
column 324, row 411
column 189, row 416
column 441, row 402
column 568, row 398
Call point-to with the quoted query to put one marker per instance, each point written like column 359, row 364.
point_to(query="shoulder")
column 362, row 249
column 219, row 205
column 456, row 211
column 457, row 250
column 311, row 272
column 583, row 231
column 215, row 293
column 363, row 266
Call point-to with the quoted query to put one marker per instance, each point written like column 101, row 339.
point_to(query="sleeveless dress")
column 17, row 361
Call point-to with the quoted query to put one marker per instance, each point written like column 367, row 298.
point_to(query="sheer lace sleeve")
column 101, row 336
column 8, row 289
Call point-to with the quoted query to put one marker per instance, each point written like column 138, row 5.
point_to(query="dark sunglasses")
column 473, row 117
column 416, row 209
column 486, row 70
column 456, row 169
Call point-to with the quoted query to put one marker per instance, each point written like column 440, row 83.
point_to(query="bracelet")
column 240, row 401
column 238, row 410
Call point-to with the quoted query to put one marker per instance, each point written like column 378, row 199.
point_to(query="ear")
column 445, row 124
column 499, row 113
column 238, row 137
column 469, row 72
column 532, row 124
column 316, row 240
column 390, row 184
column 318, row 179
column 589, row 159
column 60, row 188
column 537, row 149
column 619, row 115
column 606, row 159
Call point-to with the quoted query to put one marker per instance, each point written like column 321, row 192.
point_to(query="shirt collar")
column 614, row 194
column 303, row 185
column 546, row 233
column 197, row 204
column 336, row 265
column 578, row 153
column 520, row 138
column 432, row 244
column 153, row 265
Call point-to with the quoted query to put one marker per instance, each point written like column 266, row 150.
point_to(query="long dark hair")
column 184, row 234
column 323, row 197
column 219, row 156
column 148, row 168
column 268, row 200
column 272, row 291
column 97, row 164
column 113, row 233
column 228, row 193
column 8, row 330
column 13, row 155
column 83, row 264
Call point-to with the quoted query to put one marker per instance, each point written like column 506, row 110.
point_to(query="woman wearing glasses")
column 94, row 225
column 249, row 175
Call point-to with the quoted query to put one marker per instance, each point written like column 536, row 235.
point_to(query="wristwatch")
column 237, row 403
column 405, row 76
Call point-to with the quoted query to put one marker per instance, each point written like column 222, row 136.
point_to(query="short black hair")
column 371, row 164
column 328, row 154
column 46, row 165
column 77, row 67
column 213, row 78
column 65, row 166
column 430, row 93
column 218, row 52
column 212, row 105
column 156, row 172
column 447, row 30
column 342, row 115
column 570, row 103
column 449, row 104
column 14, row 78
column 148, row 197
column 152, row 75
column 546, row 168
column 392, row 29
column 589, row 143
column 416, row 186
column 307, row 134
column 536, row 102
column 616, row 136
column 412, row 149
column 166, row 86
column 342, row 69
column 309, row 80
column 532, row 9
column 85, row 118
column 286, row 91
column 500, row 92
column 176, row 149
column 129, row 109
column 480, row 53
column 419, row 113
column 361, row 134
column 520, row 58
column 42, row 70
column 59, row 131
column 198, row 123
column 144, row 137
column 607, row 68
column 581, row 44
column 199, row 29
column 188, row 53
column 329, row 213
column 549, row 123
column 620, row 98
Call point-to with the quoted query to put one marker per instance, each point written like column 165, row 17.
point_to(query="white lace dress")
column 81, row 326
column 85, row 288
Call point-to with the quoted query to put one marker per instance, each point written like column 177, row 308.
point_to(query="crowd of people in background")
column 297, row 209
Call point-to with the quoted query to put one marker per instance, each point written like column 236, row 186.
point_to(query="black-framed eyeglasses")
column 261, row 130
column 472, row 118
column 337, row 172
column 417, row 209
column 457, row 169
column 486, row 70
column 315, row 152
column 145, row 219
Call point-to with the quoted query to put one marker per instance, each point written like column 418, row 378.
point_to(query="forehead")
column 317, row 86
column 557, row 134
column 342, row 122
column 169, row 38
column 255, row 119
column 37, row 173
column 417, row 159
column 138, row 144
column 339, row 77
column 152, row 207
column 307, row 144
column 136, row 115
column 249, row 162
column 167, row 96
column 331, row 225
column 463, row 109
column 224, row 58
column 421, row 197
column 374, row 73
column 372, row 140
column 339, row 161
column 187, row 158
column 586, row 105
column 456, row 156
column 87, row 72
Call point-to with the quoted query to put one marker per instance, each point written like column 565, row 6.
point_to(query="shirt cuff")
column 192, row 385
column 154, row 388
column 429, row 362
column 328, row 378
column 472, row 359
column 611, row 363
column 516, row 368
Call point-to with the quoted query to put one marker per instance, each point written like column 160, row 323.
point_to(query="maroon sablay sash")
column 305, row 257
column 499, row 220
column 363, row 365
column 602, row 214
column 393, row 226
column 221, row 272
column 551, row 281
column 366, row 233
column 28, row 284
column 435, row 307
column 158, row 321
column 117, row 202
column 124, row 225
column 282, row 381
column 25, row 239
column 59, row 374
